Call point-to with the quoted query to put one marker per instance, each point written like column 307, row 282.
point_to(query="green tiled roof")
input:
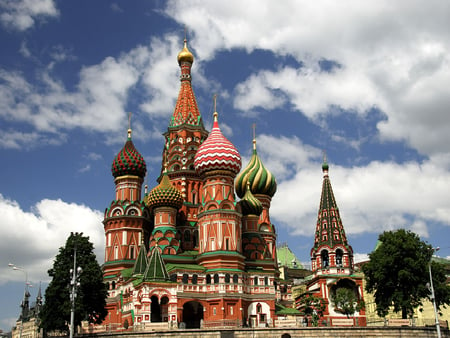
column 283, row 310
column 287, row 258
column 141, row 262
column 156, row 270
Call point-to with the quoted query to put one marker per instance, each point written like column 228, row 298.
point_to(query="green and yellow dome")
column 250, row 205
column 260, row 179
column 164, row 194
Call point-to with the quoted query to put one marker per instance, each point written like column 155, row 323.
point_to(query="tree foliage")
column 91, row 295
column 397, row 273
column 313, row 306
column 346, row 301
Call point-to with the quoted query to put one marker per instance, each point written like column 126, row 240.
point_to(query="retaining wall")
column 310, row 332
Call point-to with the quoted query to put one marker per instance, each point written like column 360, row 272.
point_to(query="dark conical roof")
column 156, row 269
column 141, row 261
column 329, row 228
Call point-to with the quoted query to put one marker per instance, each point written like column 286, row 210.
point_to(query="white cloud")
column 372, row 198
column 392, row 55
column 31, row 239
column 23, row 14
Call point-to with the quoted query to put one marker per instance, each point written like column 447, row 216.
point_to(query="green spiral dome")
column 261, row 180
column 250, row 205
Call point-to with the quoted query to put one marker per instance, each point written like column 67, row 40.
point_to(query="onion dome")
column 164, row 194
column 185, row 55
column 128, row 161
column 250, row 205
column 217, row 153
column 261, row 180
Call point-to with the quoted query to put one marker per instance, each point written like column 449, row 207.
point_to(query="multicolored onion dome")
column 164, row 194
column 185, row 55
column 250, row 205
column 217, row 153
column 261, row 180
column 128, row 161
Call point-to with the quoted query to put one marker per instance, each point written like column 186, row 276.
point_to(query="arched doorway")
column 155, row 310
column 192, row 314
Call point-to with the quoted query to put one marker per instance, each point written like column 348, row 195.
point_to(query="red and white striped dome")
column 217, row 153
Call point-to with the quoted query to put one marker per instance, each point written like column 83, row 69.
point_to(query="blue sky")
column 365, row 81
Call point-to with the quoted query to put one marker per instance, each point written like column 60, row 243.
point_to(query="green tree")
column 397, row 273
column 313, row 306
column 346, row 301
column 90, row 303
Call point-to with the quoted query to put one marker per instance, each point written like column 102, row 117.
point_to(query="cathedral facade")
column 188, row 252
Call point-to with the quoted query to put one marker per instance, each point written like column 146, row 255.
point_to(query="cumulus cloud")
column 102, row 94
column 31, row 239
column 23, row 14
column 392, row 56
column 372, row 198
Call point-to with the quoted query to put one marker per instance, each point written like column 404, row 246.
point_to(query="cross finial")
column 215, row 102
column 185, row 33
column 254, row 135
column 129, row 125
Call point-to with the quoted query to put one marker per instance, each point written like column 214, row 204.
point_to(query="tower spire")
column 129, row 125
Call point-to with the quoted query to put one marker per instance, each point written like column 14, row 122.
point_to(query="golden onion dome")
column 185, row 55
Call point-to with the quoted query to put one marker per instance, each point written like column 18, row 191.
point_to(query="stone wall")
column 336, row 332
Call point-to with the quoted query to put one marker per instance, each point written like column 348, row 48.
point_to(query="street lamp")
column 436, row 316
column 18, row 268
column 74, row 284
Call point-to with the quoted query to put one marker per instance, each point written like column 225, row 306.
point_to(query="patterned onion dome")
column 250, row 205
column 164, row 194
column 217, row 153
column 128, row 161
column 185, row 55
column 261, row 180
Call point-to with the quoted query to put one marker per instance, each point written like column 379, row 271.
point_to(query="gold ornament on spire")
column 185, row 55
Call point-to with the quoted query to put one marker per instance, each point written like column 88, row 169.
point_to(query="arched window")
column 113, row 285
column 216, row 278
column 258, row 308
column 195, row 239
column 187, row 235
column 324, row 256
column 173, row 277
column 185, row 278
column 255, row 281
column 235, row 278
column 194, row 278
column 339, row 255
column 208, row 279
column 227, row 278
column 266, row 280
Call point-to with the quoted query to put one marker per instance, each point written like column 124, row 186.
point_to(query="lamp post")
column 18, row 268
column 436, row 316
column 74, row 284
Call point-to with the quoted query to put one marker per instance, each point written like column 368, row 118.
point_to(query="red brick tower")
column 126, row 221
column 182, row 139
column 218, row 161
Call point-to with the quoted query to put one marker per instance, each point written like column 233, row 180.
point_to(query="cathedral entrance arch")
column 192, row 314
column 155, row 310
column 259, row 314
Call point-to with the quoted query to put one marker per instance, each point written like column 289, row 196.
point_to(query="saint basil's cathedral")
column 188, row 251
